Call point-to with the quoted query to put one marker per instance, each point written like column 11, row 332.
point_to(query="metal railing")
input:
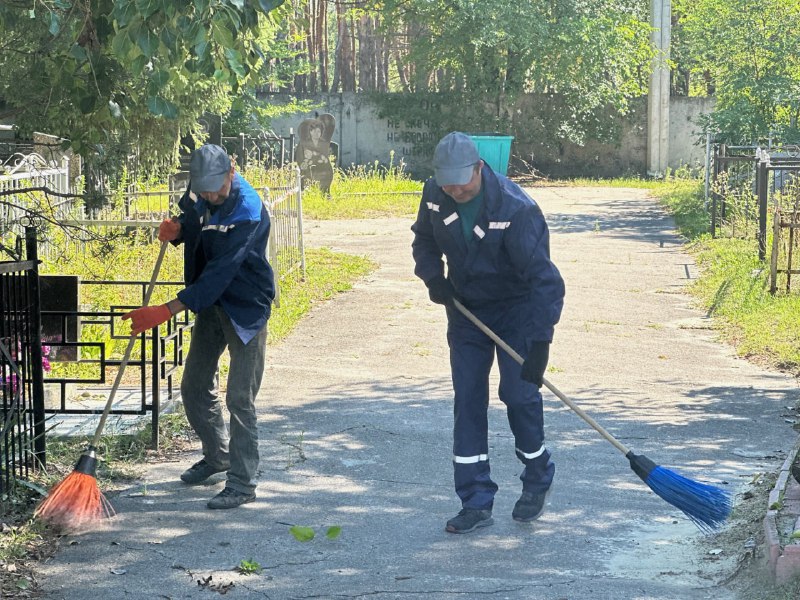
column 22, row 443
column 266, row 150
column 150, row 379
column 744, row 182
column 284, row 200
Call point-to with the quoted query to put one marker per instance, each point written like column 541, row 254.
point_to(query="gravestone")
column 60, row 293
column 313, row 151
column 212, row 126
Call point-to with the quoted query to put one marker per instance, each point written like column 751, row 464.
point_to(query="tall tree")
column 126, row 72
column 748, row 52
column 593, row 53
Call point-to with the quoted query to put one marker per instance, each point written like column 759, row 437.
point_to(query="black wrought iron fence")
column 22, row 443
column 265, row 150
column 87, row 351
column 746, row 182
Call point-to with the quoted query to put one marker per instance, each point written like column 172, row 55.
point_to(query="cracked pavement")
column 355, row 427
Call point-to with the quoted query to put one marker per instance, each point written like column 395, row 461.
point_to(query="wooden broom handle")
column 513, row 353
column 126, row 357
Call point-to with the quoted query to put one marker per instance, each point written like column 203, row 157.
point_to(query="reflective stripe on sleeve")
column 433, row 207
column 222, row 228
column 469, row 460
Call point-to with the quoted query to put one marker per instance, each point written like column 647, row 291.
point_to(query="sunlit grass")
column 362, row 192
column 734, row 285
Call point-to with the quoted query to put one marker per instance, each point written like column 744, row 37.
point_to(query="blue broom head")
column 706, row 505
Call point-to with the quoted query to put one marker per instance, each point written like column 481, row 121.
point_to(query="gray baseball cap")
column 208, row 168
column 454, row 159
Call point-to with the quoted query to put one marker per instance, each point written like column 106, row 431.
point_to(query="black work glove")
column 535, row 364
column 441, row 291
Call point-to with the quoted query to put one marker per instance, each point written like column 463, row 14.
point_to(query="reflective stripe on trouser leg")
column 471, row 356
column 526, row 417
column 199, row 388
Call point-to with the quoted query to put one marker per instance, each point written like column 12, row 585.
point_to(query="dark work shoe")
column 199, row 472
column 469, row 519
column 530, row 506
column 230, row 498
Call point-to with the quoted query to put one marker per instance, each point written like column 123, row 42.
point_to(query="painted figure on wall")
column 313, row 152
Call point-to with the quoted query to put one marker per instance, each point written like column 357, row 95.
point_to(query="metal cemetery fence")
column 21, row 369
column 79, row 383
column 745, row 182
column 151, row 370
column 265, row 150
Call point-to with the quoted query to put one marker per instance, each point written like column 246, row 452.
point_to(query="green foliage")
column 247, row 566
column 747, row 52
column 129, row 73
column 735, row 287
column 361, row 192
column 306, row 534
column 734, row 284
column 302, row 534
column 252, row 116
column 15, row 543
column 593, row 55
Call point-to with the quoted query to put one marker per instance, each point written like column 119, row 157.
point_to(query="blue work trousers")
column 237, row 450
column 471, row 356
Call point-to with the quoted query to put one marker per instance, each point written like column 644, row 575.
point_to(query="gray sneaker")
column 530, row 506
column 199, row 472
column 230, row 498
column 469, row 519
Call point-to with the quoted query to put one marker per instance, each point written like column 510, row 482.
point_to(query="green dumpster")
column 494, row 149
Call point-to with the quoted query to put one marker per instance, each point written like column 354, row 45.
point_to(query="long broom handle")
column 126, row 357
column 513, row 353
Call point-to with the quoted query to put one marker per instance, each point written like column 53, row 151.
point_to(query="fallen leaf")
column 302, row 534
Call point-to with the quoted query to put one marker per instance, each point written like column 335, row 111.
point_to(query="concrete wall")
column 364, row 138
column 686, row 139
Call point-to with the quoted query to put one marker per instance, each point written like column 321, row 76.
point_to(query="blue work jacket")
column 507, row 264
column 225, row 257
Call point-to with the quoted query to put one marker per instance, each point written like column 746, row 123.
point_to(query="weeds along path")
column 356, row 421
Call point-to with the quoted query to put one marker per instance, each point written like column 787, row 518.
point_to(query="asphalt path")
column 355, row 424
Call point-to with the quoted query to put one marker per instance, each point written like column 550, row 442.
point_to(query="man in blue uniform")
column 496, row 243
column 224, row 227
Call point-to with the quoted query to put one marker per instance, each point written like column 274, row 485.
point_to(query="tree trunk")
column 341, row 27
column 381, row 59
column 322, row 43
column 311, row 43
column 402, row 71
column 345, row 54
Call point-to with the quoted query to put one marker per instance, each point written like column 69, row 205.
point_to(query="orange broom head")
column 76, row 501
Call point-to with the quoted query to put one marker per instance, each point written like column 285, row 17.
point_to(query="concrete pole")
column 658, row 96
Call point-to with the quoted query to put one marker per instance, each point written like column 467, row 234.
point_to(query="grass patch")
column 327, row 273
column 734, row 285
column 735, row 289
column 365, row 192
